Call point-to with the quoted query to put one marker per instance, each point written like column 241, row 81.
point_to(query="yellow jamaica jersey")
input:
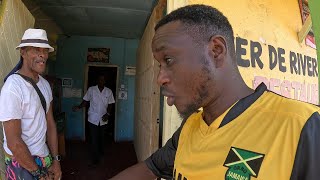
column 263, row 136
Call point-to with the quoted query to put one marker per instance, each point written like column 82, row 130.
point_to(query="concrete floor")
column 75, row 166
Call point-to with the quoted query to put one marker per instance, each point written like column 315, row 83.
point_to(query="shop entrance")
column 111, row 75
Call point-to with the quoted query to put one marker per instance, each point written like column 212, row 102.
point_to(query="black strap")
column 31, row 81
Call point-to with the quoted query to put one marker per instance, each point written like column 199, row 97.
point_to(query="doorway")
column 111, row 76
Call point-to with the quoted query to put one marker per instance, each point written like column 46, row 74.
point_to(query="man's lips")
column 40, row 61
column 170, row 100
column 170, row 97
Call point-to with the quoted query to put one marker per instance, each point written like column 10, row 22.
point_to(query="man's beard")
column 202, row 91
column 192, row 108
column 196, row 104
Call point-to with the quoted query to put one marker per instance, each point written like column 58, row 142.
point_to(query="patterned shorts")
column 15, row 172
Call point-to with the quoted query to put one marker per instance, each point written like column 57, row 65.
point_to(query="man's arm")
column 159, row 164
column 307, row 160
column 109, row 108
column 52, row 139
column 139, row 171
column 106, row 116
column 17, row 146
column 110, row 102
column 83, row 104
column 85, row 101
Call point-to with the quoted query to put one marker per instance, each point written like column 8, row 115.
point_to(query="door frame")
column 85, row 88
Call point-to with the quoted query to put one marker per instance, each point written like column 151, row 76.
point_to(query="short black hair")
column 202, row 22
column 101, row 75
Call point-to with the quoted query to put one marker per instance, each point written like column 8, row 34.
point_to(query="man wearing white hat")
column 26, row 113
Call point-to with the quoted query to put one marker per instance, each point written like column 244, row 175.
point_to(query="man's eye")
column 168, row 60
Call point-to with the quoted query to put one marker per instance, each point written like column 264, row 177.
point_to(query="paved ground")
column 75, row 166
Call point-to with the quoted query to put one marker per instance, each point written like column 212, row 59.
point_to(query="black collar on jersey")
column 243, row 104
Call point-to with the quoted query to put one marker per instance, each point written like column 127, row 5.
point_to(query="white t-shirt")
column 99, row 102
column 19, row 100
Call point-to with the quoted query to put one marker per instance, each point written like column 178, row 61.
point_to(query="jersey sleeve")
column 161, row 163
column 307, row 160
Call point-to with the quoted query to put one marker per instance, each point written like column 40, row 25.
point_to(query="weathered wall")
column 315, row 14
column 14, row 20
column 147, row 96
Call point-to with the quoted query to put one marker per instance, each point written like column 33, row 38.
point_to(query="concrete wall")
column 14, row 20
column 286, row 66
column 147, row 97
column 70, row 63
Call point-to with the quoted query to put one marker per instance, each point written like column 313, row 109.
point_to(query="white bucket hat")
column 35, row 38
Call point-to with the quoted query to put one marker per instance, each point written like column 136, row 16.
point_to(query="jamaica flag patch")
column 242, row 164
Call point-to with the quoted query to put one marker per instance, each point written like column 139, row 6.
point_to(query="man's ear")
column 22, row 51
column 218, row 50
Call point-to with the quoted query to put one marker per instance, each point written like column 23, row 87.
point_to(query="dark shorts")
column 15, row 172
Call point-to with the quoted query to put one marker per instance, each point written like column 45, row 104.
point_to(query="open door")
column 111, row 74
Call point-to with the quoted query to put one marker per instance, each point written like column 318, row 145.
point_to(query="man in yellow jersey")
column 241, row 133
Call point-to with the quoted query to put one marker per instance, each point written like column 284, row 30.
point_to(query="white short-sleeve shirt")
column 19, row 100
column 99, row 102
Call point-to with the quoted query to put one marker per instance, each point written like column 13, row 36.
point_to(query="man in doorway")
column 100, row 98
column 240, row 132
column 26, row 114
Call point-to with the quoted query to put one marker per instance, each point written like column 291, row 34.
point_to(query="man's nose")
column 42, row 54
column 162, row 78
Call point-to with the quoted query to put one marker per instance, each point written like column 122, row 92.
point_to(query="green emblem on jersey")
column 242, row 164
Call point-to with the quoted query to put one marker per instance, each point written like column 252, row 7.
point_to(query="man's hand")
column 46, row 178
column 105, row 117
column 75, row 108
column 55, row 170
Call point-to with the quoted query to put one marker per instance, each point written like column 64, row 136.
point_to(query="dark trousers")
column 97, row 141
